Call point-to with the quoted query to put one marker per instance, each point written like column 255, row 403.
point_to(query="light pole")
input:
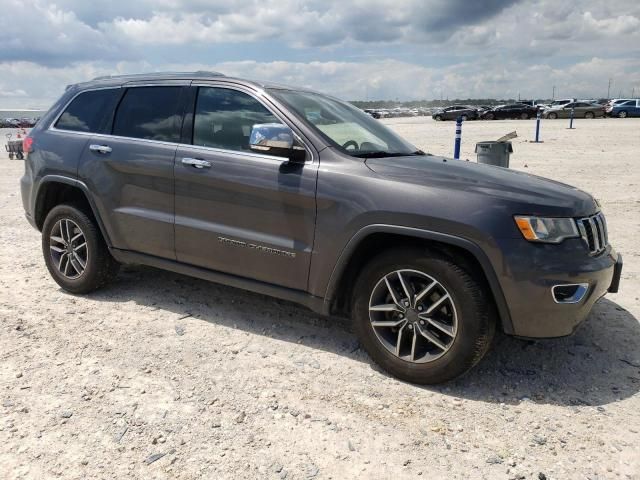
column 553, row 95
column 609, row 89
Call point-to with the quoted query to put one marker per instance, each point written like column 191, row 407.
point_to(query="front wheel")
column 589, row 115
column 438, row 118
column 552, row 116
column 524, row 116
column 422, row 317
column 74, row 251
column 490, row 116
column 622, row 114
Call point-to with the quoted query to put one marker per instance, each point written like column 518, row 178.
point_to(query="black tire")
column 622, row 114
column 438, row 118
column 490, row 116
column 464, row 118
column 471, row 300
column 20, row 156
column 552, row 116
column 524, row 116
column 100, row 267
column 589, row 115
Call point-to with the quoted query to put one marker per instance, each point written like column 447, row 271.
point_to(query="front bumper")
column 532, row 270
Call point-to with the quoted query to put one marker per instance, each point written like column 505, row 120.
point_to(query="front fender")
column 472, row 248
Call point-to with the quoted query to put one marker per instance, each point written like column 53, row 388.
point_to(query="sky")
column 353, row 49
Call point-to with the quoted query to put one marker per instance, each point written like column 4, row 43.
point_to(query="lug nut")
column 410, row 327
column 421, row 322
column 401, row 316
column 419, row 308
column 406, row 304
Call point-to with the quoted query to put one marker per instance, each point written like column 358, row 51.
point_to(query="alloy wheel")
column 68, row 247
column 413, row 316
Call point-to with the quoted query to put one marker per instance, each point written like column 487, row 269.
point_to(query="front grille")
column 593, row 231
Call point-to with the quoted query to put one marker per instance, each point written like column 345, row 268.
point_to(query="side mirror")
column 276, row 139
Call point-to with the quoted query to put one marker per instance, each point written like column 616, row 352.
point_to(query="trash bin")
column 494, row 153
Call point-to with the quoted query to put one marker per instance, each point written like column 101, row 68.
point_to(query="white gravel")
column 164, row 376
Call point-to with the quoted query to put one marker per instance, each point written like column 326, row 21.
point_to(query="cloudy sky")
column 355, row 49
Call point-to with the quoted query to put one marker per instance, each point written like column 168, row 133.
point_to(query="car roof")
column 119, row 80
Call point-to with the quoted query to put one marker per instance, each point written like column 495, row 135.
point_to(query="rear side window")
column 89, row 111
column 152, row 113
column 224, row 118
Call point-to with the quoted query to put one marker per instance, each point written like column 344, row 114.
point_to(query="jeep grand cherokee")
column 301, row 196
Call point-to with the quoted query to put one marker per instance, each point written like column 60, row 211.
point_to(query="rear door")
column 130, row 170
column 239, row 212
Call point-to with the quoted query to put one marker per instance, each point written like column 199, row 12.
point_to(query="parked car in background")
column 515, row 110
column 627, row 108
column 580, row 110
column 372, row 112
column 467, row 112
column 562, row 102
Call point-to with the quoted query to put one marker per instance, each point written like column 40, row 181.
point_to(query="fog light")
column 570, row 293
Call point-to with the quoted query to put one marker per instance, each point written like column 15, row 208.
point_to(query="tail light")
column 27, row 145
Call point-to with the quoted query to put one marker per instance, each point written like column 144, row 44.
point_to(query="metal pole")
column 456, row 147
column 571, row 119
column 538, row 127
column 609, row 90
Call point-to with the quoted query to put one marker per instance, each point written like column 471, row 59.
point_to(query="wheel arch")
column 374, row 239
column 54, row 190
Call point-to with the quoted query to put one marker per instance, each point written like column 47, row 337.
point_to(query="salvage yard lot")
column 164, row 376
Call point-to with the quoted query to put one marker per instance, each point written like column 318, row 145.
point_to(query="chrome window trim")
column 214, row 84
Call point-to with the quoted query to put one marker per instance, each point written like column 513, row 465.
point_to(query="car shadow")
column 598, row 365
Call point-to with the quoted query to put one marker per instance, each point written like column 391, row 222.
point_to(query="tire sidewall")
column 471, row 324
column 85, row 224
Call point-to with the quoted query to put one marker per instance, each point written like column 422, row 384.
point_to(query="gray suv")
column 298, row 195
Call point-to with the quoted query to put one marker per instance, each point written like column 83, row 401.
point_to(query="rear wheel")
column 421, row 316
column 524, row 116
column 622, row 114
column 438, row 118
column 589, row 115
column 490, row 116
column 74, row 251
column 464, row 118
column 552, row 116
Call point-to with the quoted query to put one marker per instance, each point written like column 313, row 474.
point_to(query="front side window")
column 224, row 118
column 345, row 126
column 89, row 111
column 152, row 113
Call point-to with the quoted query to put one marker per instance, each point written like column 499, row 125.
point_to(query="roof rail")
column 199, row 73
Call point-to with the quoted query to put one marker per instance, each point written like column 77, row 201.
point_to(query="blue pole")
column 538, row 127
column 456, row 147
column 571, row 119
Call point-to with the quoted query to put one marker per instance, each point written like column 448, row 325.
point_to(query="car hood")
column 526, row 193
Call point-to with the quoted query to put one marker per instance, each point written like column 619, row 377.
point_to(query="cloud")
column 352, row 48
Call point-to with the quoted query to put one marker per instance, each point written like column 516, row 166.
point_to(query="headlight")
column 547, row 230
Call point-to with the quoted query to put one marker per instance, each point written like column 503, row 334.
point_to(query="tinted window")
column 89, row 111
column 630, row 103
column 150, row 112
column 224, row 118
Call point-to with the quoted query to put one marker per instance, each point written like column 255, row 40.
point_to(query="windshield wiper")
column 384, row 153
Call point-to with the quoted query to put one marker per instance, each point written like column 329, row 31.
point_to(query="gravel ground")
column 164, row 376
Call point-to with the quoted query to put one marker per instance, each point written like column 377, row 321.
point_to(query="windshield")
column 345, row 126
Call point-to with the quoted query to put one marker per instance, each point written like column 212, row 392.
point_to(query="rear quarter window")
column 89, row 111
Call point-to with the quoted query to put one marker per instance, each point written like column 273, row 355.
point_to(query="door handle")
column 196, row 162
column 100, row 148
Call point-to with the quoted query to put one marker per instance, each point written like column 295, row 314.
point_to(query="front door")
column 238, row 212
